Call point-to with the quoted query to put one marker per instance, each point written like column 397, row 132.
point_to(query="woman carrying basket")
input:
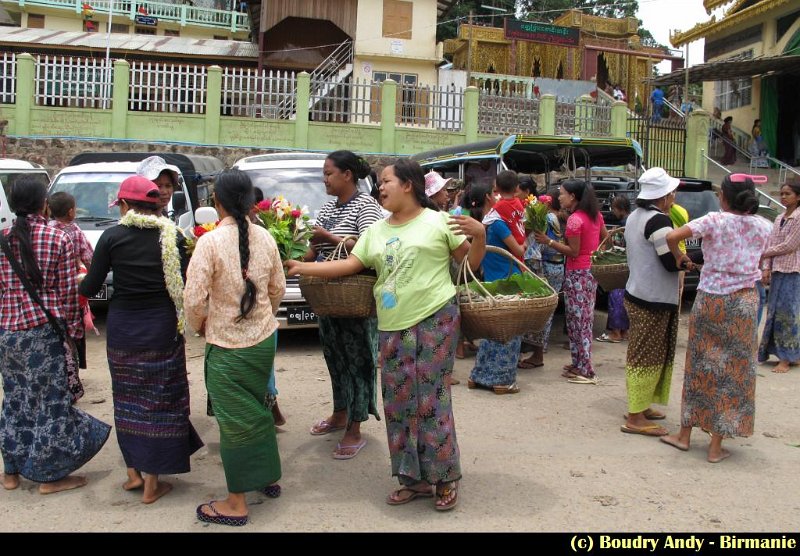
column 496, row 362
column 417, row 322
column 350, row 345
column 585, row 230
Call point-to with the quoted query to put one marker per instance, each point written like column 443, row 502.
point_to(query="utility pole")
column 686, row 87
column 469, row 49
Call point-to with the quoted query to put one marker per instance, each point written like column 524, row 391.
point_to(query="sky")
column 660, row 16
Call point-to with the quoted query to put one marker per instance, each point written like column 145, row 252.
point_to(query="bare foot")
column 67, row 483
column 277, row 416
column 10, row 482
column 133, row 484
column 161, row 489
column 716, row 458
column 782, row 367
column 675, row 441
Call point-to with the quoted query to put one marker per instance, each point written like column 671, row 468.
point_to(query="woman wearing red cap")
column 145, row 345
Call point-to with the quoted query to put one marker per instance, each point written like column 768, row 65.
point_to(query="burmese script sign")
column 541, row 32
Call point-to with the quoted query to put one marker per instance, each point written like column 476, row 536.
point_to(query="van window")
column 10, row 177
column 92, row 192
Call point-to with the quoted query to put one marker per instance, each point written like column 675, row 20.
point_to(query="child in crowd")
column 62, row 211
column 508, row 207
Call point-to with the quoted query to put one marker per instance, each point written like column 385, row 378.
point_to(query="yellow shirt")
column 679, row 217
column 214, row 286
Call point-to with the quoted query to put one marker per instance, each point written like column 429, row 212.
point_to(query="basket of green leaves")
column 610, row 266
column 503, row 309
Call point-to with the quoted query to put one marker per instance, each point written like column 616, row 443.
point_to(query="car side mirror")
column 178, row 202
column 205, row 215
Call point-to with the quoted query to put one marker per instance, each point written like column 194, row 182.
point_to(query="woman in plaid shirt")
column 43, row 437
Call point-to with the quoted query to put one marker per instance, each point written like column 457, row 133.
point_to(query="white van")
column 95, row 186
column 298, row 177
column 10, row 171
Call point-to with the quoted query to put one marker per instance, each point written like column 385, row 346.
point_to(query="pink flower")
column 296, row 213
column 266, row 204
column 546, row 199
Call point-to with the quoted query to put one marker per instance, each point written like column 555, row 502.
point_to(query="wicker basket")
column 345, row 297
column 501, row 320
column 611, row 276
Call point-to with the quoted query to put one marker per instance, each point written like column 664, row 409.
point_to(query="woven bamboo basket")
column 345, row 297
column 501, row 320
column 611, row 276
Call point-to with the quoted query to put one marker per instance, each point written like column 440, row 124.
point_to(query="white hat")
column 656, row 183
column 151, row 167
column 434, row 183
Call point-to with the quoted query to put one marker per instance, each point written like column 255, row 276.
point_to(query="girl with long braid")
column 43, row 437
column 232, row 300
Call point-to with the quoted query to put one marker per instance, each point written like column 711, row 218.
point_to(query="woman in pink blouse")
column 234, row 285
column 585, row 230
column 719, row 382
column 781, row 269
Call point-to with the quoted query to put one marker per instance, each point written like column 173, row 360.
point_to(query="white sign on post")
column 397, row 46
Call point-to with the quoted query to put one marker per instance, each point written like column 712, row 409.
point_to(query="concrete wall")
column 369, row 32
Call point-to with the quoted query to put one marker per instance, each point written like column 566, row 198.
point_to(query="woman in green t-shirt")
column 417, row 323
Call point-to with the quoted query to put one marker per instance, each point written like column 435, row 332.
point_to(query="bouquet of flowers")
column 536, row 213
column 288, row 225
column 201, row 229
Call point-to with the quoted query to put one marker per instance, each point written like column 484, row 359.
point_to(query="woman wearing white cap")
column 164, row 175
column 719, row 381
column 651, row 300
column 435, row 189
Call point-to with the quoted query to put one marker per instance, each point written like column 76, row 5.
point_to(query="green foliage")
column 525, row 285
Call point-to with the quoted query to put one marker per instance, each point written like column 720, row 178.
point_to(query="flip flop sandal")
column 525, row 364
column 337, row 454
column 218, row 518
column 271, row 491
column 324, row 427
column 580, row 379
column 606, row 338
column 650, row 415
column 414, row 494
column 647, row 430
column 447, row 490
column 510, row 389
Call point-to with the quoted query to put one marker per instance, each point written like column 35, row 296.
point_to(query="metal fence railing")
column 160, row 87
column 8, row 78
column 365, row 101
column 433, row 107
column 246, row 93
column 329, row 101
column 503, row 115
column 72, row 82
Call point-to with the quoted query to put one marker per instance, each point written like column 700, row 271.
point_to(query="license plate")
column 693, row 243
column 300, row 315
column 102, row 295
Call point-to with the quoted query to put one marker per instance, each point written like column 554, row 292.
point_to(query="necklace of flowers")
column 170, row 257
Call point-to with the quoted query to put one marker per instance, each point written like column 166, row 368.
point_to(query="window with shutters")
column 397, row 16
column 35, row 21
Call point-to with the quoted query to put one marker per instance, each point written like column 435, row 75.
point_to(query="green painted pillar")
column 619, row 119
column 470, row 126
column 695, row 165
column 25, row 73
column 388, row 116
column 547, row 115
column 303, row 97
column 213, row 104
column 119, row 99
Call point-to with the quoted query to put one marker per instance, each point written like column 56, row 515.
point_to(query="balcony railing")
column 181, row 13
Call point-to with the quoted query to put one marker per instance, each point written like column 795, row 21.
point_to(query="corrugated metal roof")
column 732, row 69
column 138, row 43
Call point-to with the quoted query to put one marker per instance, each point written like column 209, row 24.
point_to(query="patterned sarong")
column 237, row 383
column 651, row 352
column 782, row 329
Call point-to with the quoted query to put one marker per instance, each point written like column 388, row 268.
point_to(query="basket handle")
column 609, row 235
column 340, row 249
column 465, row 267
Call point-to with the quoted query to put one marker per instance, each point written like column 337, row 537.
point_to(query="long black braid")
column 234, row 191
column 27, row 197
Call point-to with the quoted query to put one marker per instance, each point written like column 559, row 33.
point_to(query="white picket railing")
column 162, row 87
column 8, row 78
column 72, row 82
column 507, row 114
column 269, row 95
column 434, row 107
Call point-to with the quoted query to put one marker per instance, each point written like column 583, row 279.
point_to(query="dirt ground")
column 551, row 458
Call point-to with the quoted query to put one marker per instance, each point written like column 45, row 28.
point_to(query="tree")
column 459, row 13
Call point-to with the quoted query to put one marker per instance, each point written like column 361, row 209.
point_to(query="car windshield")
column 93, row 192
column 697, row 203
column 9, row 177
column 299, row 186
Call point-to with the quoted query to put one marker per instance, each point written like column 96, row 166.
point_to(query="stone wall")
column 55, row 154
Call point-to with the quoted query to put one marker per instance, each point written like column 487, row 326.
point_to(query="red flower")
column 296, row 213
column 266, row 204
column 199, row 230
